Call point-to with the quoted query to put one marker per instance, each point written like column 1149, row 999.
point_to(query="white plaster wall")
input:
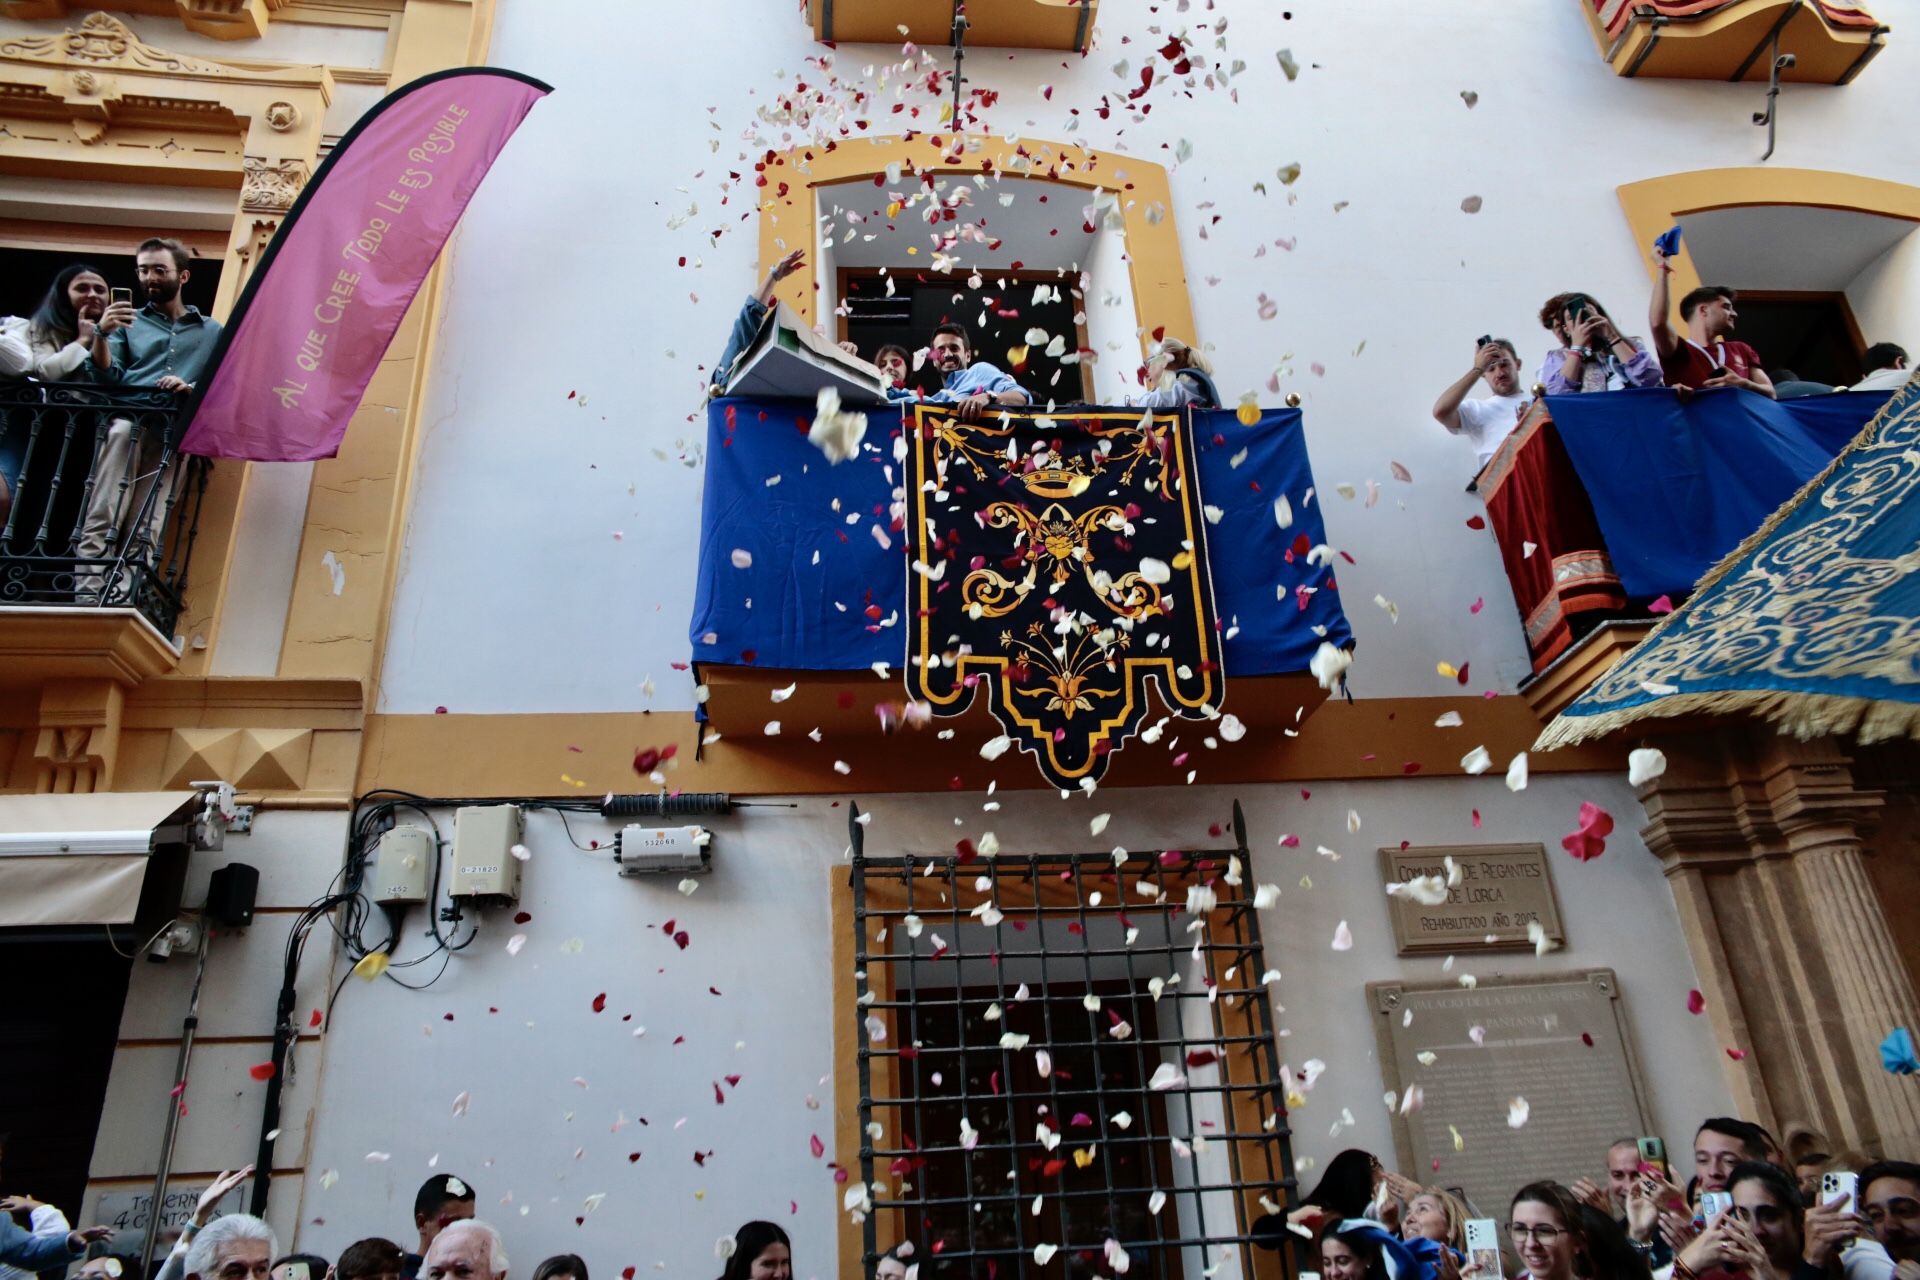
column 548, row 1080
column 1886, row 296
column 1113, row 317
column 564, row 278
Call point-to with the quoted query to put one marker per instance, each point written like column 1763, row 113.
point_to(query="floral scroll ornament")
column 1083, row 579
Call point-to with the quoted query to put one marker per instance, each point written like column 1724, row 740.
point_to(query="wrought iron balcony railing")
column 101, row 510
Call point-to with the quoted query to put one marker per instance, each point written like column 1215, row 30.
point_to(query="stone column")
column 1763, row 842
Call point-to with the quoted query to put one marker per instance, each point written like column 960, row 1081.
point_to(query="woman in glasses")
column 1547, row 1232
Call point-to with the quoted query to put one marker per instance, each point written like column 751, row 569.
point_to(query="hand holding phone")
column 1713, row 1204
column 1483, row 1248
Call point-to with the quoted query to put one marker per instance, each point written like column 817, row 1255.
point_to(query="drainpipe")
column 176, row 1101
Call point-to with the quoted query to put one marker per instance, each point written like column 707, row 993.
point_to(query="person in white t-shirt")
column 1487, row 421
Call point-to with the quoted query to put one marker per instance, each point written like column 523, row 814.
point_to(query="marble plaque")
column 1558, row 1043
column 1503, row 889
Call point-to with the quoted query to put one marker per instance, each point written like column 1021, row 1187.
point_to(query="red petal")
column 816, row 1146
column 600, row 1003
column 1696, row 1003
column 261, row 1071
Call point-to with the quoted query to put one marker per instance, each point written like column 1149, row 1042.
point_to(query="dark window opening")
column 26, row 273
column 1811, row 335
column 1065, row 1053
column 56, row 1050
column 996, row 316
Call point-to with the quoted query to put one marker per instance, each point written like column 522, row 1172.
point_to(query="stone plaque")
column 1558, row 1042
column 1503, row 888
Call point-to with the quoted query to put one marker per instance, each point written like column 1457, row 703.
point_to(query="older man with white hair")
column 238, row 1246
column 466, row 1250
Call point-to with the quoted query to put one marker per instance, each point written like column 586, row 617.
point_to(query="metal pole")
column 175, row 1100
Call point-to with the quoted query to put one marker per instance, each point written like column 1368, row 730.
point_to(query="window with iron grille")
column 1068, row 1056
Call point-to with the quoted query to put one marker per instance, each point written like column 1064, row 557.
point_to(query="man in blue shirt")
column 968, row 384
column 164, row 346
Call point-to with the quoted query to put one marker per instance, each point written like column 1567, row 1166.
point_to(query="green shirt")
column 155, row 346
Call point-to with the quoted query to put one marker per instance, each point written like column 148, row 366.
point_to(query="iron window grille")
column 1018, row 1015
column 51, row 437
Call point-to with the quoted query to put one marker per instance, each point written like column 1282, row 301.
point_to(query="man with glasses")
column 238, row 1246
column 468, row 1250
column 1890, row 1197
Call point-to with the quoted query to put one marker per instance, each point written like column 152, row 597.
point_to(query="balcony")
column 84, row 538
column 1007, row 24
column 1608, row 508
column 810, row 608
column 1831, row 40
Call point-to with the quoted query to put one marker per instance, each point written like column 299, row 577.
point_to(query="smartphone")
column 1714, row 1203
column 1485, row 339
column 1654, row 1152
column 1483, row 1247
column 1837, row 1183
column 1719, row 371
column 118, row 296
column 292, row 1271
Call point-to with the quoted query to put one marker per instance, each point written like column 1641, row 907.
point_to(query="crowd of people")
column 1591, row 354
column 1175, row 374
column 1750, row 1209
column 87, row 331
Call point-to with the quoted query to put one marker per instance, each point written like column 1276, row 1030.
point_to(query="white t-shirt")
column 1487, row 422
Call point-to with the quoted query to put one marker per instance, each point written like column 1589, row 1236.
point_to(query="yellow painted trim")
column 358, row 503
column 1155, row 264
column 1655, row 204
column 572, row 755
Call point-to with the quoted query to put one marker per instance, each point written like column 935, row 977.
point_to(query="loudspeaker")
column 230, row 894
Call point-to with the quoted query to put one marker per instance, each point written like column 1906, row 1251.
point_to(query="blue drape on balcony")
column 820, row 592
column 1676, row 485
column 1812, row 622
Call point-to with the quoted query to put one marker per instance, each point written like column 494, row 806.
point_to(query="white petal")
column 1517, row 773
column 1476, row 761
column 1645, row 764
column 1342, row 937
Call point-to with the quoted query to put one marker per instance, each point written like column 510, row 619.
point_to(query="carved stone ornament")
column 271, row 187
column 282, row 116
column 85, row 83
column 105, row 41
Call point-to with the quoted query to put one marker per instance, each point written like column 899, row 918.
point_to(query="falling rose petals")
column 516, row 942
column 1738, row 1055
column 1476, row 761
column 1589, row 840
column 742, row 559
column 371, row 965
column 461, row 1102
column 816, row 1146
column 261, row 1071
column 996, row 747
column 1696, row 1003
column 1043, row 1254
column 1342, row 937
column 1517, row 773
column 1663, row 605
column 1645, row 764
column 1517, row 1113
column 1471, row 204
column 1166, row 1076
column 1156, row 1202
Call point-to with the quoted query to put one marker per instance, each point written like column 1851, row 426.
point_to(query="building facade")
column 485, row 599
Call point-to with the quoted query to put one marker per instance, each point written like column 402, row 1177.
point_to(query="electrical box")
column 644, row 851
column 484, row 867
column 403, row 865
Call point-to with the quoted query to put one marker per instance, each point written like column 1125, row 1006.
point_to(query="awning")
column 81, row 859
column 1813, row 622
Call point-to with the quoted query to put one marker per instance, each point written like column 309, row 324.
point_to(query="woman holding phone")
column 54, row 344
column 1592, row 355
